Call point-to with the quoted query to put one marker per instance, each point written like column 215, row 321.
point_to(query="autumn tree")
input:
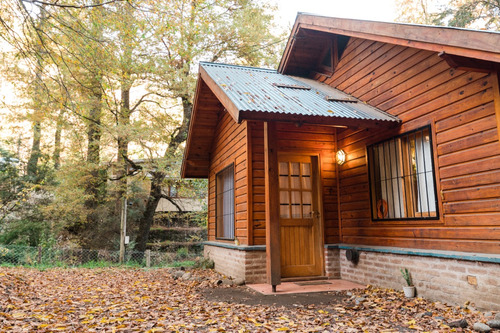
column 189, row 31
column 415, row 11
column 474, row 14
column 119, row 74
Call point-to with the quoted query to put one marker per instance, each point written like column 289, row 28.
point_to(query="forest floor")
column 158, row 300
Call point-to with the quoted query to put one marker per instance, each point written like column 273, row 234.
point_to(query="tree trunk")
column 155, row 193
column 56, row 157
column 32, row 167
column 123, row 120
column 146, row 220
column 97, row 178
column 35, row 153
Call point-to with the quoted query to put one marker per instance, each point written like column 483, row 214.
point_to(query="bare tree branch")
column 57, row 4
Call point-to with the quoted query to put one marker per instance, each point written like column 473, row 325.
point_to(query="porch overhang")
column 258, row 94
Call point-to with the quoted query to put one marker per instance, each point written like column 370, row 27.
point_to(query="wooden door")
column 301, row 244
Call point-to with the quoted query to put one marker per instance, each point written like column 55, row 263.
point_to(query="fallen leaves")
column 136, row 300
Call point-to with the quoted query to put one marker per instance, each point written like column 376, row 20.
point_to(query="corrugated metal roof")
column 265, row 90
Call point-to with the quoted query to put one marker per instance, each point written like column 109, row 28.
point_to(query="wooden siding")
column 229, row 146
column 421, row 89
column 307, row 139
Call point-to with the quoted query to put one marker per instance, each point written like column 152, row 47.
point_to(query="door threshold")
column 304, row 278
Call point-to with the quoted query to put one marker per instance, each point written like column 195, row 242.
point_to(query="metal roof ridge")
column 260, row 69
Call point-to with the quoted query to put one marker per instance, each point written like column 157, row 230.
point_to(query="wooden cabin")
column 374, row 146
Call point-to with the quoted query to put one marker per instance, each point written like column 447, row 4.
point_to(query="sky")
column 375, row 10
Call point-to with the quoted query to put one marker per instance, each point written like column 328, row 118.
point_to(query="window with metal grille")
column 402, row 182
column 225, row 203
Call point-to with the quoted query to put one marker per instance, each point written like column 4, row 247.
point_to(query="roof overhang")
column 482, row 45
column 272, row 97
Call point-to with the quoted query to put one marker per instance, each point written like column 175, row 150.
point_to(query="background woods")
column 97, row 107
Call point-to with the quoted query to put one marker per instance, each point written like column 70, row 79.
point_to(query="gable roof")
column 267, row 95
column 264, row 94
column 482, row 45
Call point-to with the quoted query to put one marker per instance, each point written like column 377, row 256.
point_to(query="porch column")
column 273, row 256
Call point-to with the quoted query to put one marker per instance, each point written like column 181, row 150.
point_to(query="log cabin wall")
column 229, row 146
column 305, row 139
column 421, row 89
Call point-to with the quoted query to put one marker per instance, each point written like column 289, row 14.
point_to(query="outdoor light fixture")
column 341, row 157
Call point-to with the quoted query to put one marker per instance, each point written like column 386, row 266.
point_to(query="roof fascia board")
column 437, row 39
column 288, row 47
column 318, row 120
column 221, row 95
column 429, row 46
column 191, row 125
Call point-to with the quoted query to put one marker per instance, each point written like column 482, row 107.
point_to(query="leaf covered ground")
column 137, row 300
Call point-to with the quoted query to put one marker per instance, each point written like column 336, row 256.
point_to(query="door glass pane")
column 295, row 182
column 306, row 169
column 295, row 204
column 283, row 172
column 296, row 211
column 306, row 204
column 284, row 199
column 306, row 198
column 285, row 211
column 306, row 211
column 306, row 183
column 306, row 176
column 295, row 169
column 284, row 205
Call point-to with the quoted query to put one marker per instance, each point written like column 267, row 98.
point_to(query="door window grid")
column 295, row 190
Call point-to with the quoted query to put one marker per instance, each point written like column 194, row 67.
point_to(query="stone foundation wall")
column 234, row 263
column 448, row 280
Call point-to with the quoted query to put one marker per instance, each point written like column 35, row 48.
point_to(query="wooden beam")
column 273, row 245
column 249, row 128
column 337, row 176
column 468, row 64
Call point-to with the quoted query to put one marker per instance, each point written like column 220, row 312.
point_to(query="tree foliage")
column 474, row 14
column 107, row 89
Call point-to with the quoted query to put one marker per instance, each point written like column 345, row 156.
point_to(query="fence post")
column 148, row 258
column 39, row 255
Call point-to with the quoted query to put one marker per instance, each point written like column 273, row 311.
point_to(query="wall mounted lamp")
column 341, row 157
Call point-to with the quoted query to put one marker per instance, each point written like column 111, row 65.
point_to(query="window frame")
column 217, row 208
column 405, row 166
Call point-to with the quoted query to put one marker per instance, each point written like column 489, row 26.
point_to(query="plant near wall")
column 409, row 290
column 407, row 276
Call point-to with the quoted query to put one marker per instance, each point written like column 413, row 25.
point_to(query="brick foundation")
column 449, row 280
column 440, row 279
column 332, row 263
column 236, row 263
